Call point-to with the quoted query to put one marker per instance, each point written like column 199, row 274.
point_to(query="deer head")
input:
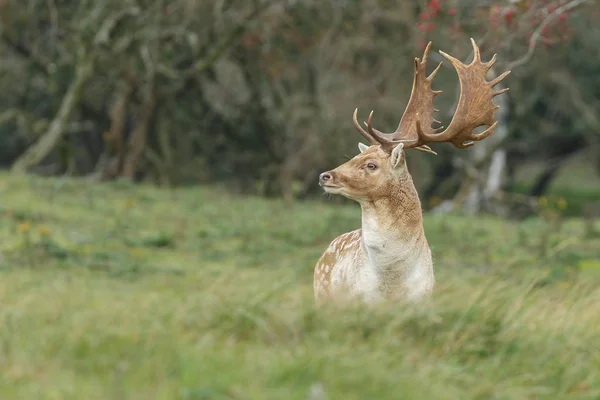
column 368, row 175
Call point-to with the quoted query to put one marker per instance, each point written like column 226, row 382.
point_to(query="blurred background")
column 160, row 216
column 258, row 95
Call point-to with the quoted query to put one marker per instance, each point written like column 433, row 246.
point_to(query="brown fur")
column 324, row 268
column 390, row 191
column 388, row 200
column 389, row 256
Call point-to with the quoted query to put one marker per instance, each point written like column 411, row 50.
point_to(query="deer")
column 388, row 258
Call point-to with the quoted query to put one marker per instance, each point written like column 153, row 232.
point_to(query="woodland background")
column 258, row 95
column 160, row 216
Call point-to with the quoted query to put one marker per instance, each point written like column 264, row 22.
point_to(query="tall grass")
column 125, row 292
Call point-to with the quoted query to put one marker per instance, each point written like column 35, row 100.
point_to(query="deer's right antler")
column 475, row 108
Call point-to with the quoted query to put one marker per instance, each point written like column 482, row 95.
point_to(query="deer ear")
column 396, row 156
column 362, row 147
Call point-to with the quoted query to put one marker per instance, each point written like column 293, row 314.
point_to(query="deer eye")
column 371, row 166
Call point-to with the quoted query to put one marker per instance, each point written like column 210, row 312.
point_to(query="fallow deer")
column 389, row 257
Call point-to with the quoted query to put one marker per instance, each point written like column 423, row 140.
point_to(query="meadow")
column 116, row 291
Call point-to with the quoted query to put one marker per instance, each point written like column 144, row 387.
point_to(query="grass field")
column 121, row 292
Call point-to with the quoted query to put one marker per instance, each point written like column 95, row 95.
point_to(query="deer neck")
column 392, row 225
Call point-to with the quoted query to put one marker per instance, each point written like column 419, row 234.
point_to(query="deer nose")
column 324, row 177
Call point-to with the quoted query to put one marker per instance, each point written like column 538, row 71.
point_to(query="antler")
column 475, row 107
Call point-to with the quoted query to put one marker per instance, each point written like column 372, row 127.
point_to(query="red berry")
column 508, row 16
column 545, row 31
column 452, row 11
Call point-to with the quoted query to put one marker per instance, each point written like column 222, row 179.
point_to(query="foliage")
column 257, row 94
column 120, row 291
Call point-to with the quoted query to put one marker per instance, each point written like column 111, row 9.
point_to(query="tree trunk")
column 45, row 144
column 111, row 164
column 137, row 141
column 543, row 181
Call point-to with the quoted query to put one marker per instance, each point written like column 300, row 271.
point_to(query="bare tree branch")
column 588, row 112
column 84, row 69
column 36, row 153
column 536, row 34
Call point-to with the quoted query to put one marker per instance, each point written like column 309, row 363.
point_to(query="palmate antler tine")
column 382, row 138
column 426, row 149
column 475, row 105
column 499, row 79
column 420, row 103
column 385, row 139
column 360, row 129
